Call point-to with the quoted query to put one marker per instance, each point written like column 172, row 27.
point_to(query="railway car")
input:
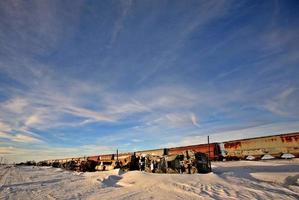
column 124, row 158
column 105, row 162
column 112, row 161
column 94, row 158
column 154, row 152
column 256, row 148
column 214, row 148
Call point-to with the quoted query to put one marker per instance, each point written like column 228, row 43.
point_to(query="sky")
column 88, row 77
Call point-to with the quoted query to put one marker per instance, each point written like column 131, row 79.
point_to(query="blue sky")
column 87, row 77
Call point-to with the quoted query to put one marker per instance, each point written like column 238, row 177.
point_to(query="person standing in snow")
column 142, row 163
column 152, row 166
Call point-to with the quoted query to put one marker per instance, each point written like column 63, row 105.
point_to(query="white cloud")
column 86, row 113
column 283, row 103
column 16, row 105
column 124, row 107
column 25, row 139
column 7, row 150
column 33, row 119
column 4, row 127
column 5, row 135
column 194, row 120
column 21, row 138
column 119, row 23
column 136, row 140
column 167, row 120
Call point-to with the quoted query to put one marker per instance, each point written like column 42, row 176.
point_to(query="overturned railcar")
column 105, row 162
column 112, row 161
column 186, row 162
column 255, row 148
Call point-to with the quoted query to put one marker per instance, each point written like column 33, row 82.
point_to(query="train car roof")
column 278, row 135
column 150, row 150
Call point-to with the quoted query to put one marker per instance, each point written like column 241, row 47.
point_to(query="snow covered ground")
column 275, row 179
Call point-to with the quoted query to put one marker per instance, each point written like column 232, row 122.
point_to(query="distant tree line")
column 27, row 163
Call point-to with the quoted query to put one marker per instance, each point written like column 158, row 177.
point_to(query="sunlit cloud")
column 194, row 120
column 283, row 102
column 20, row 138
column 16, row 105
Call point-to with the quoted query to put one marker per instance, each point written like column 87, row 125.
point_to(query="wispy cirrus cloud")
column 119, row 22
column 39, row 27
column 16, row 105
column 19, row 138
column 209, row 11
column 283, row 103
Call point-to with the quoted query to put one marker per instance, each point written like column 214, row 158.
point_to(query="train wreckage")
column 186, row 159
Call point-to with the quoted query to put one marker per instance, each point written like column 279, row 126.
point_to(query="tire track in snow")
column 29, row 191
column 3, row 177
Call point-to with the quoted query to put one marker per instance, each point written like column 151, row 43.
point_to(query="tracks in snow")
column 5, row 172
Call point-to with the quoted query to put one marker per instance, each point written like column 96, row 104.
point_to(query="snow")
column 250, row 158
column 268, row 179
column 287, row 155
column 267, row 157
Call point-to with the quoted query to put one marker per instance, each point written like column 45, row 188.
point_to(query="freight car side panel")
column 203, row 148
column 94, row 158
column 123, row 156
column 155, row 152
column 273, row 145
column 107, row 157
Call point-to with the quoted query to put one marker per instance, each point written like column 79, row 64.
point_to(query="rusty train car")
column 276, row 146
column 213, row 150
column 152, row 152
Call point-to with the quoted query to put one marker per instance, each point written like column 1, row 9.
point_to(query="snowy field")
column 276, row 179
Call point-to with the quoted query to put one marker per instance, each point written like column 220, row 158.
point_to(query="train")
column 275, row 146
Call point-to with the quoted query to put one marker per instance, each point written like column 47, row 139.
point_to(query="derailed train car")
column 159, row 161
column 113, row 161
column 187, row 162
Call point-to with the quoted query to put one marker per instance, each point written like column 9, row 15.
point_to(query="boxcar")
column 154, row 152
column 275, row 146
column 215, row 153
column 106, row 157
column 94, row 158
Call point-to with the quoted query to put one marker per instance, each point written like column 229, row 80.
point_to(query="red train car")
column 106, row 157
column 215, row 153
column 94, row 158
